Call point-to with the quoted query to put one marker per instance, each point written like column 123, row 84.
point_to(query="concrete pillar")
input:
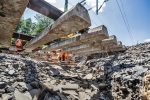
column 10, row 14
column 75, row 19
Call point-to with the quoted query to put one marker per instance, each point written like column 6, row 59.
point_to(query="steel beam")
column 22, row 36
column 45, row 8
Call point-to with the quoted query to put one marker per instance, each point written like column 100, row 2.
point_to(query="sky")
column 137, row 13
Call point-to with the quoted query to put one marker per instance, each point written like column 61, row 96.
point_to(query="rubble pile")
column 26, row 79
column 111, row 77
column 124, row 72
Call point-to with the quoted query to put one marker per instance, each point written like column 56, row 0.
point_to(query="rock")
column 19, row 95
column 3, row 68
column 28, row 94
column 73, row 97
column 71, row 92
column 6, row 97
column 102, row 86
column 84, row 96
column 10, row 89
column 11, row 72
column 23, row 84
column 29, row 87
column 3, row 85
column 34, row 92
column 62, row 97
column 70, row 86
column 88, row 76
column 35, row 85
column 2, row 91
column 94, row 87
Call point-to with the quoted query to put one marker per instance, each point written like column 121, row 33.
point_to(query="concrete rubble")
column 75, row 19
column 115, row 76
column 93, row 35
column 10, row 14
column 96, row 46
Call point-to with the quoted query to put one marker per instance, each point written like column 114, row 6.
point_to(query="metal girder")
column 45, row 8
column 22, row 36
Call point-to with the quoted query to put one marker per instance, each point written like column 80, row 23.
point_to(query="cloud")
column 51, row 1
column 147, row 40
column 62, row 9
column 92, row 3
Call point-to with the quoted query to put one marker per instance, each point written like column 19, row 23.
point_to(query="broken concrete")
column 95, row 34
column 77, row 18
column 97, row 46
column 10, row 14
column 103, row 49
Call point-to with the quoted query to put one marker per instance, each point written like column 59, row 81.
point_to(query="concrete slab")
column 78, row 47
column 75, row 19
column 95, row 34
column 93, row 46
column 112, row 48
column 10, row 14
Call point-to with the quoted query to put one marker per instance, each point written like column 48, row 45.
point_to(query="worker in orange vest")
column 18, row 44
column 60, row 56
column 66, row 56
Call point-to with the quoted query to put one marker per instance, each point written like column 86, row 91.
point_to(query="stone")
column 11, row 72
column 6, row 97
column 34, row 92
column 62, row 97
column 73, row 97
column 88, row 76
column 35, row 85
column 10, row 89
column 102, row 86
column 28, row 94
column 70, row 86
column 29, row 87
column 23, row 84
column 71, row 92
column 3, row 85
column 2, row 91
column 19, row 95
column 84, row 96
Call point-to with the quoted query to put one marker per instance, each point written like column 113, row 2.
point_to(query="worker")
column 18, row 44
column 66, row 56
column 60, row 56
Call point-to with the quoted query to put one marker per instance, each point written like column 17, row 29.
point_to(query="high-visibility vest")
column 18, row 43
column 60, row 54
column 66, row 55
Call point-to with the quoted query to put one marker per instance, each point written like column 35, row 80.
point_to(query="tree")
column 33, row 28
column 42, row 23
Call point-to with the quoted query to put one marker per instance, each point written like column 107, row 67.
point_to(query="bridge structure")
column 95, row 40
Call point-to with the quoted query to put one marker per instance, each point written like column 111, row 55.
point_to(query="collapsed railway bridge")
column 105, row 70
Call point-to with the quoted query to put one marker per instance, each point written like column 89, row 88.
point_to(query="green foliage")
column 26, row 26
column 42, row 46
column 12, row 40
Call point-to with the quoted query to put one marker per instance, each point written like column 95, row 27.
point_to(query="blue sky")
column 137, row 12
